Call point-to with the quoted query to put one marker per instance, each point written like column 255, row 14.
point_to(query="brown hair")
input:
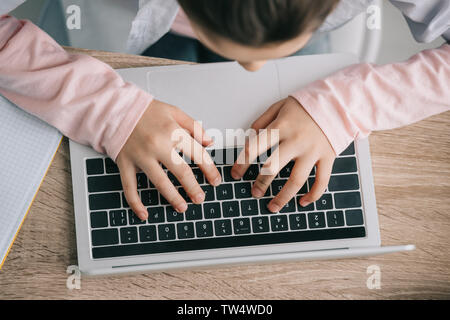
column 258, row 22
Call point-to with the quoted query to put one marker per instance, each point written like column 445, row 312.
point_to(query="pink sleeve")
column 82, row 97
column 364, row 98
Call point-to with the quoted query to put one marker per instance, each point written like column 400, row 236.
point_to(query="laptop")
column 231, row 226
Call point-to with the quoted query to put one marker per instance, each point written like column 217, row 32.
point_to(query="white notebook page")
column 27, row 147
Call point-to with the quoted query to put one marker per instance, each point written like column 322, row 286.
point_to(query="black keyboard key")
column 277, row 185
column 297, row 221
column 344, row 182
column 198, row 174
column 99, row 219
column 194, row 212
column 117, row 218
column 155, row 214
column 209, row 193
column 304, row 189
column 104, row 183
column 94, row 166
column 110, row 166
column 224, row 191
column 243, row 190
column 286, row 171
column 128, row 235
column 184, row 195
column 173, row 215
column 222, row 227
column 166, row 232
column 263, row 206
column 260, row 224
column 173, row 179
column 149, row 197
column 124, row 201
column 227, row 174
column 163, row 200
column 230, row 209
column 313, row 171
column 185, row 230
column 211, row 210
column 354, row 217
column 279, row 223
column 335, row 219
column 104, row 201
column 309, row 207
column 251, row 173
column 344, row 165
column 347, row 200
column 349, row 151
column 289, row 207
column 241, row 225
column 311, row 182
column 147, row 233
column 316, row 220
column 142, row 181
column 104, row 237
column 204, row 229
column 249, row 207
column 325, row 202
column 227, row 241
column 133, row 218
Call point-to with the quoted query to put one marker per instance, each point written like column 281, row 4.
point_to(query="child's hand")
column 300, row 139
column 152, row 143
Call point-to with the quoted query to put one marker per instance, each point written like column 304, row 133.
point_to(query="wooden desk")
column 412, row 183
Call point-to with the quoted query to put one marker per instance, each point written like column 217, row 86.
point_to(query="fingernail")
column 182, row 207
column 217, row 181
column 304, row 203
column 235, row 176
column 199, row 197
column 257, row 193
column 144, row 215
column 273, row 207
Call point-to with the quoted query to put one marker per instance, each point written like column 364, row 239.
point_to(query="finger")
column 194, row 128
column 323, row 172
column 254, row 146
column 268, row 116
column 299, row 174
column 129, row 184
column 281, row 156
column 193, row 150
column 185, row 176
column 159, row 178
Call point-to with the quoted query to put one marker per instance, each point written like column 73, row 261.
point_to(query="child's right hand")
column 152, row 143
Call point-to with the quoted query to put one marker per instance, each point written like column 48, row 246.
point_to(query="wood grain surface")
column 411, row 169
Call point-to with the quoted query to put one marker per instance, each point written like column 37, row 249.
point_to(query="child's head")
column 253, row 31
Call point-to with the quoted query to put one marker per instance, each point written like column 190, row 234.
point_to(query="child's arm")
column 347, row 105
column 90, row 103
column 81, row 96
column 364, row 98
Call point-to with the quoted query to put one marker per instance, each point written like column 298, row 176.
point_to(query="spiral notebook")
column 27, row 148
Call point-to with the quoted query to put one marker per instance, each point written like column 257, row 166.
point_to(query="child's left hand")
column 300, row 139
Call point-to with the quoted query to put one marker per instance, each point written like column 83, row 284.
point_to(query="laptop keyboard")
column 229, row 216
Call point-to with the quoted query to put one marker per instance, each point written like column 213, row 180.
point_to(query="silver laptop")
column 230, row 226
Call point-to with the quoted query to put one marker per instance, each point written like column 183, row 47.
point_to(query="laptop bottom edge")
column 327, row 254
